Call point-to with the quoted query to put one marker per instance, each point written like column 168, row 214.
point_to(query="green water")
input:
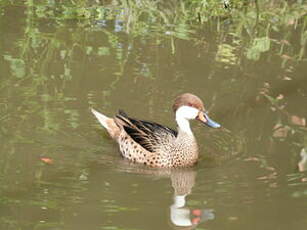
column 53, row 70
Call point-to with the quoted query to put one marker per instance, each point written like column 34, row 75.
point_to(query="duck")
column 155, row 145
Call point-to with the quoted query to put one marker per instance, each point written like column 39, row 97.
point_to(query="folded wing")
column 149, row 135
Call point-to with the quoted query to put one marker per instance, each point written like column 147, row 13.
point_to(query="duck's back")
column 152, row 144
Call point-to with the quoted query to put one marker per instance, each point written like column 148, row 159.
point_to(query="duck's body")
column 155, row 145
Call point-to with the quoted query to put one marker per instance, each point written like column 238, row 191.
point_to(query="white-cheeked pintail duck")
column 156, row 145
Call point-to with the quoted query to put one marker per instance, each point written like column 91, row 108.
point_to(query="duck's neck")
column 183, row 115
column 183, row 124
column 186, row 140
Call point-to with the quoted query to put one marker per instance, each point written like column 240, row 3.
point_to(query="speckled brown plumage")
column 155, row 145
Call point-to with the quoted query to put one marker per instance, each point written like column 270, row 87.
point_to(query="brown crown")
column 188, row 99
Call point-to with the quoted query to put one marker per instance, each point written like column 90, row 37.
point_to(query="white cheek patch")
column 187, row 112
column 183, row 115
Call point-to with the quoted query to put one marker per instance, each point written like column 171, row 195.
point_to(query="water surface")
column 60, row 170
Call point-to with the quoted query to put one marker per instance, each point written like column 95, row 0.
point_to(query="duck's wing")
column 149, row 135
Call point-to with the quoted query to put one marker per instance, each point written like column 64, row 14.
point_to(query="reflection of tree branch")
column 257, row 13
column 286, row 89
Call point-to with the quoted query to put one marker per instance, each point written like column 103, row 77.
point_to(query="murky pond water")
column 60, row 170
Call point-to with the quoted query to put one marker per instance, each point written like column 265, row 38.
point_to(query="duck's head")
column 188, row 107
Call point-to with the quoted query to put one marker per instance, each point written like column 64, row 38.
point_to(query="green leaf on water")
column 226, row 54
column 17, row 66
column 103, row 51
column 259, row 46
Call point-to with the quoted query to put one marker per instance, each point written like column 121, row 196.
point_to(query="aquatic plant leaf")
column 226, row 54
column 259, row 46
column 103, row 51
column 262, row 44
column 17, row 66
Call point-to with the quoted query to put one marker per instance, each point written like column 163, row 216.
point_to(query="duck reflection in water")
column 183, row 181
column 180, row 215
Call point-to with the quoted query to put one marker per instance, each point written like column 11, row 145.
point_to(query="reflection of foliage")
column 287, row 124
column 61, row 39
column 225, row 54
column 17, row 66
column 259, row 46
column 261, row 20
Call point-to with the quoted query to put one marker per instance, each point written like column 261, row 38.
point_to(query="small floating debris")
column 46, row 160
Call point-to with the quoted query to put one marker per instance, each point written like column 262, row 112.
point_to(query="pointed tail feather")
column 107, row 123
column 101, row 118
